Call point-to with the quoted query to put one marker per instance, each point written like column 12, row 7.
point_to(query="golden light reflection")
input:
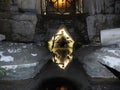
column 62, row 3
column 61, row 44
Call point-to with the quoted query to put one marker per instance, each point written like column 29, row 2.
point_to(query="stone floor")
column 84, row 71
column 50, row 70
column 106, row 84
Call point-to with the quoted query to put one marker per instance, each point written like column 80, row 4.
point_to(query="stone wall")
column 15, row 24
column 30, row 5
column 21, row 61
column 18, row 18
column 102, row 14
column 101, row 6
column 19, row 22
column 99, row 22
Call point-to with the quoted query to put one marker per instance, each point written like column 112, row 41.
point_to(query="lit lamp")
column 62, row 3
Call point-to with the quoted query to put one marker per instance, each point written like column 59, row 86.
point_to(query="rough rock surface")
column 5, row 5
column 91, row 57
column 27, row 4
column 19, row 27
column 2, row 37
column 23, row 27
column 5, row 26
column 117, row 7
column 111, row 57
column 21, row 61
column 101, row 7
column 99, row 22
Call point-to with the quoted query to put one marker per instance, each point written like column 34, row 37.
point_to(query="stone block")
column 5, row 5
column 99, row 6
column 20, row 27
column 99, row 22
column 109, row 6
column 5, row 15
column 112, row 59
column 91, row 57
column 110, row 36
column 2, row 37
column 21, row 61
column 117, row 7
column 5, row 28
column 90, row 9
column 27, row 5
column 14, row 8
column 23, row 27
column 14, row 2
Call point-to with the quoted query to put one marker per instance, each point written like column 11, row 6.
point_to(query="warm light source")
column 62, row 3
column 61, row 44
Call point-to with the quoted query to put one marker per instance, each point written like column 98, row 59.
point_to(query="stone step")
column 21, row 61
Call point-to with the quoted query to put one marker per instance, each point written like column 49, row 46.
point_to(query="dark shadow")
column 58, row 84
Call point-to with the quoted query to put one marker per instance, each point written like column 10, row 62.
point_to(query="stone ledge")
column 21, row 61
column 91, row 57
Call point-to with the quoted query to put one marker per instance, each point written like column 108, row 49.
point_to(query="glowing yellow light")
column 61, row 44
column 62, row 3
